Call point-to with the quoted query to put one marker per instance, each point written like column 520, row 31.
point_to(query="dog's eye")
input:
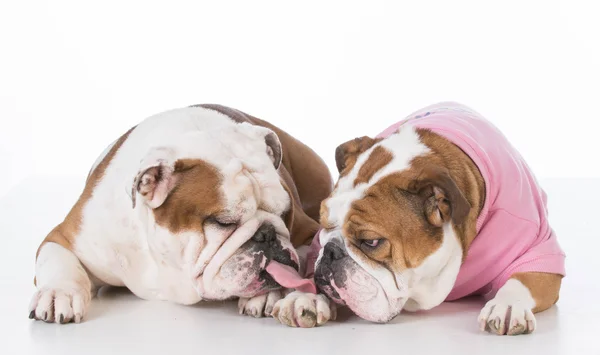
column 226, row 224
column 223, row 224
column 373, row 243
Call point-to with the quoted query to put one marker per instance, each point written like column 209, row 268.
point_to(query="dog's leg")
column 64, row 288
column 305, row 310
column 511, row 311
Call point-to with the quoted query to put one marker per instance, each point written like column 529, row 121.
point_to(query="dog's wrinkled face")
column 389, row 242
column 214, row 206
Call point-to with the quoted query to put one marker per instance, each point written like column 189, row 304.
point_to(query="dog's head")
column 214, row 206
column 389, row 240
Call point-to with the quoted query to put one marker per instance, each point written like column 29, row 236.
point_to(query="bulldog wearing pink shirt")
column 437, row 207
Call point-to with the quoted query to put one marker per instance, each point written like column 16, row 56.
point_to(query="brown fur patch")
column 347, row 153
column 379, row 158
column 544, row 288
column 65, row 233
column 445, row 202
column 302, row 228
column 388, row 211
column 325, row 216
column 195, row 198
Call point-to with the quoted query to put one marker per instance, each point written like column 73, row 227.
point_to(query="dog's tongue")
column 288, row 277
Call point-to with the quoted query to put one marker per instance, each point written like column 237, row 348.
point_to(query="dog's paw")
column 259, row 306
column 58, row 305
column 305, row 310
column 510, row 312
column 506, row 319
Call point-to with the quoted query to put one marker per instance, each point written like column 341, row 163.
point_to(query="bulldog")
column 437, row 207
column 197, row 203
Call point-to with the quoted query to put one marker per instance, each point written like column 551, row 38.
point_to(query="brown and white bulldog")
column 191, row 204
column 438, row 207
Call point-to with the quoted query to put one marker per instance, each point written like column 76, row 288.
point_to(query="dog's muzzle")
column 265, row 242
column 330, row 269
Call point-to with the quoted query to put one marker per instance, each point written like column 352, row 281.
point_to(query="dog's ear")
column 273, row 145
column 347, row 153
column 442, row 199
column 156, row 177
column 274, row 149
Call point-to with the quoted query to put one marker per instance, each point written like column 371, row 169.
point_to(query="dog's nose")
column 265, row 234
column 333, row 251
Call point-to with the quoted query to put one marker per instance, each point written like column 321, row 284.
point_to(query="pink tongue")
column 287, row 277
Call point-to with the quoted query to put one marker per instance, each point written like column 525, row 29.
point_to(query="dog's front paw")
column 59, row 305
column 503, row 318
column 510, row 312
column 305, row 310
column 259, row 306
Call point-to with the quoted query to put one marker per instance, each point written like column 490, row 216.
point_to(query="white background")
column 75, row 75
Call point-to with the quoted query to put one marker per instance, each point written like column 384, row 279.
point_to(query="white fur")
column 513, row 297
column 101, row 156
column 430, row 283
column 123, row 246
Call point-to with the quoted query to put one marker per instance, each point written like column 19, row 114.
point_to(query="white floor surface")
column 120, row 323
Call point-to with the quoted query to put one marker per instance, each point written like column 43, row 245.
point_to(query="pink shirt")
column 513, row 233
